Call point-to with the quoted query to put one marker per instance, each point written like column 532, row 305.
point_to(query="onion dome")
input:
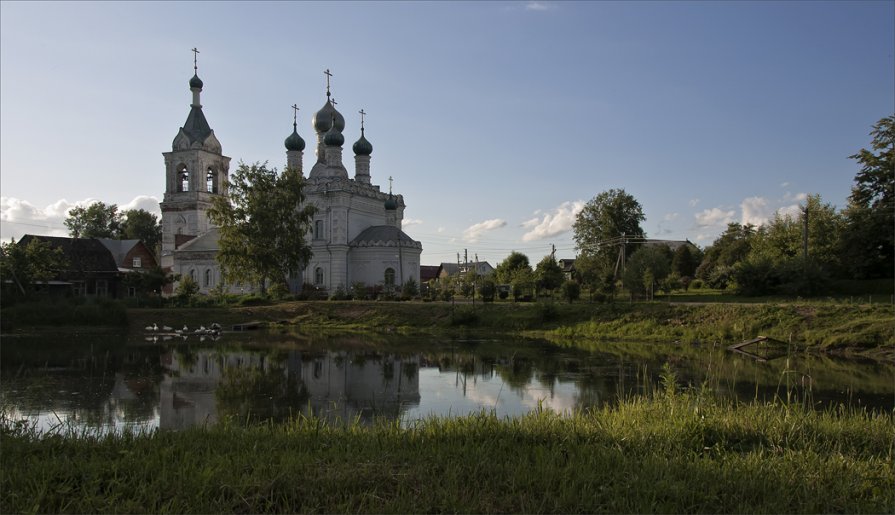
column 326, row 117
column 294, row 141
column 195, row 82
column 390, row 203
column 362, row 147
column 334, row 137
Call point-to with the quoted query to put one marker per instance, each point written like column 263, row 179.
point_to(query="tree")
column 600, row 225
column 95, row 221
column 140, row 224
column 868, row 245
column 548, row 274
column 571, row 291
column 263, row 223
column 732, row 247
column 506, row 269
column 25, row 264
column 523, row 283
column 488, row 289
column 686, row 259
column 647, row 268
column 410, row 289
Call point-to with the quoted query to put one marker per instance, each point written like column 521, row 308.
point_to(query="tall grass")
column 676, row 450
column 52, row 312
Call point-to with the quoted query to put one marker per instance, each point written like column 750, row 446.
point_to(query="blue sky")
column 497, row 120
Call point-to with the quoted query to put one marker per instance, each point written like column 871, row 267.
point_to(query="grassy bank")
column 822, row 325
column 675, row 452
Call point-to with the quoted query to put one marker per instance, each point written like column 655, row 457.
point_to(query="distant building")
column 568, row 268
column 482, row 268
column 355, row 236
column 96, row 266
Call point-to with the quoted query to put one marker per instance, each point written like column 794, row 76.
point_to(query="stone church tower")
column 195, row 173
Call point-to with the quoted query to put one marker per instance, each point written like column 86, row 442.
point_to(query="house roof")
column 118, row 248
column 428, row 272
column 482, row 267
column 384, row 236
column 83, row 254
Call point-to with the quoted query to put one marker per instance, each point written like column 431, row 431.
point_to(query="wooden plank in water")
column 248, row 326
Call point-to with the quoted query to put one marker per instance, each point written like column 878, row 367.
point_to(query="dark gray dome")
column 294, row 141
column 323, row 119
column 195, row 82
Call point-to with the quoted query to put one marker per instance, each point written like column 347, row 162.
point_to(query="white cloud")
column 539, row 6
column 784, row 184
column 798, row 197
column 671, row 216
column 440, row 230
column 714, row 217
column 693, row 202
column 145, row 203
column 411, row 221
column 792, row 210
column 473, row 233
column 558, row 221
column 755, row 210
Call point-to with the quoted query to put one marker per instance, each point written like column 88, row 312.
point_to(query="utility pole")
column 805, row 235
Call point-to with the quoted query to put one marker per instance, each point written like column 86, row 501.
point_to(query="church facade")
column 355, row 237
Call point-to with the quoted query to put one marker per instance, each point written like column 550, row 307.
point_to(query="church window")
column 211, row 183
column 389, row 276
column 207, row 277
column 193, row 275
column 318, row 276
column 318, row 230
column 183, row 179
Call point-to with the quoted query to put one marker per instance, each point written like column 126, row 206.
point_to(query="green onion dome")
column 195, row 82
column 324, row 118
column 294, row 141
column 362, row 147
column 334, row 136
column 390, row 203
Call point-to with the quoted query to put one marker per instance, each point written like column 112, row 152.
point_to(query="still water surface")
column 117, row 382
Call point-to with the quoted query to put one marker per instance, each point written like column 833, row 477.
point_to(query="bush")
column 464, row 315
column 410, row 289
column 278, row 290
column 487, row 290
column 571, row 291
column 253, row 300
column 339, row 294
column 696, row 284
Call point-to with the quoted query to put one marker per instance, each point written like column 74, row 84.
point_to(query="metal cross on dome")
column 390, row 184
column 328, row 75
column 195, row 56
column 362, row 114
column 294, row 114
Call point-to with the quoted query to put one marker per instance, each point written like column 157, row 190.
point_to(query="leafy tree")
column 506, row 269
column 600, row 225
column 410, row 288
column 488, row 289
column 25, row 264
column 186, row 288
column 140, row 224
column 95, row 221
column 523, row 283
column 730, row 248
column 686, row 259
column 646, row 268
column 263, row 223
column 149, row 281
column 869, row 241
column 548, row 274
column 571, row 291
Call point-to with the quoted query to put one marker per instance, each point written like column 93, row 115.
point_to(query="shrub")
column 696, row 284
column 339, row 294
column 464, row 315
column 571, row 291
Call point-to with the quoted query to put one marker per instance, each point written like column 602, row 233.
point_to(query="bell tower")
column 196, row 172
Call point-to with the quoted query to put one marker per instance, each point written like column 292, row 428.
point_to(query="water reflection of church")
column 202, row 386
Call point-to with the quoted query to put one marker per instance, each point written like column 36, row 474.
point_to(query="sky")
column 497, row 120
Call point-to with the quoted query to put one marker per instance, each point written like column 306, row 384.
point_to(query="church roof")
column 205, row 242
column 384, row 236
column 196, row 126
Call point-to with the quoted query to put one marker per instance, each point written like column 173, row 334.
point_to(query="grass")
column 674, row 451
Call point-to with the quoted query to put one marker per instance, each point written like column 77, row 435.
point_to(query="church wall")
column 368, row 264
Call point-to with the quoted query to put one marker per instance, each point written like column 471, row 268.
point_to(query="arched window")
column 318, row 276
column 183, row 179
column 318, row 230
column 211, row 183
column 207, row 277
column 389, row 276
column 193, row 275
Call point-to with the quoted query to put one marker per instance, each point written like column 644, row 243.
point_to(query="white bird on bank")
column 153, row 327
column 167, row 328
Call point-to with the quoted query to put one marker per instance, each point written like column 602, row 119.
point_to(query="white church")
column 356, row 234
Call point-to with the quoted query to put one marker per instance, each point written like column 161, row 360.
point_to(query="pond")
column 116, row 382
